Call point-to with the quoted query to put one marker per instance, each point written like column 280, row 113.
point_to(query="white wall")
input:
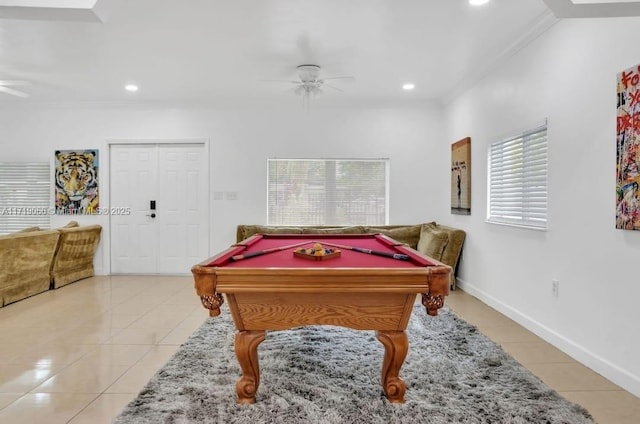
column 568, row 75
column 240, row 141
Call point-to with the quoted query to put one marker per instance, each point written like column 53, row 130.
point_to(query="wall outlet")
column 555, row 287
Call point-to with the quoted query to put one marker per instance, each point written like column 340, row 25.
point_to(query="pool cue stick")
column 265, row 251
column 399, row 256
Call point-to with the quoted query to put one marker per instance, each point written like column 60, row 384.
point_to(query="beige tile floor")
column 79, row 354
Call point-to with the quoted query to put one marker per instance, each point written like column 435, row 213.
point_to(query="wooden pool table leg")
column 246, row 346
column 396, row 346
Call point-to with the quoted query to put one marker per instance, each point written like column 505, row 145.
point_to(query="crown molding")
column 564, row 9
column 538, row 26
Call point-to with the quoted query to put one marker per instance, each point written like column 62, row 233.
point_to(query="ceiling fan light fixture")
column 308, row 73
column 310, row 83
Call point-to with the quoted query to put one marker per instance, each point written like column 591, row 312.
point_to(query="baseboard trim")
column 607, row 369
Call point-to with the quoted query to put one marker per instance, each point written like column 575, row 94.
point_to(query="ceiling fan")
column 310, row 83
column 5, row 87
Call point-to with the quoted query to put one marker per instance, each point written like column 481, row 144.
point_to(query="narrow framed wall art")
column 628, row 150
column 461, row 177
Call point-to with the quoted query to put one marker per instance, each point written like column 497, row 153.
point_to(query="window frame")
column 271, row 219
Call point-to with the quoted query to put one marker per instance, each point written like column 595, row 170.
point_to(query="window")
column 328, row 191
column 518, row 180
column 24, row 196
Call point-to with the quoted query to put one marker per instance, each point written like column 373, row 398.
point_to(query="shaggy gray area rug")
column 324, row 374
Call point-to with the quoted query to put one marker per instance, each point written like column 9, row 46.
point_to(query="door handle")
column 152, row 206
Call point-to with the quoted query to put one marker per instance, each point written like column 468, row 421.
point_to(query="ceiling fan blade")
column 335, row 88
column 13, row 92
column 344, row 78
column 273, row 80
column 13, row 82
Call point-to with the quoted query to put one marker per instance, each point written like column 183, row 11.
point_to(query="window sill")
column 523, row 226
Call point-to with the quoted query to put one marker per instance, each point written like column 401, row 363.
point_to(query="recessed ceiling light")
column 131, row 87
column 408, row 86
column 478, row 2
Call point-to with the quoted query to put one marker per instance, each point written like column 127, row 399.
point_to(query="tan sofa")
column 440, row 242
column 25, row 263
column 73, row 260
column 33, row 261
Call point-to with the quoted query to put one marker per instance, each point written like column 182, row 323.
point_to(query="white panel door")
column 172, row 237
column 133, row 171
column 182, row 204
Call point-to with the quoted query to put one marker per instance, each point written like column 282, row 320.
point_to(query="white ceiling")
column 218, row 52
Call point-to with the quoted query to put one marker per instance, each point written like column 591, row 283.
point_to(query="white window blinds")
column 328, row 191
column 518, row 180
column 24, row 196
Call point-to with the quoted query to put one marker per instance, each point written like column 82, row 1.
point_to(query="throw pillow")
column 432, row 241
column 250, row 230
column 334, row 230
column 408, row 235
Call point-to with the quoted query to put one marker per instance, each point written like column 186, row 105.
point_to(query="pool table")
column 268, row 287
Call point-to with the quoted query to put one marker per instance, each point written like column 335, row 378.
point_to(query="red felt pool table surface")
column 277, row 290
column 347, row 258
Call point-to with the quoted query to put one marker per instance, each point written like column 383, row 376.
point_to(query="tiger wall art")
column 76, row 182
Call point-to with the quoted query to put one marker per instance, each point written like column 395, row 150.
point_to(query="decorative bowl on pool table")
column 316, row 253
